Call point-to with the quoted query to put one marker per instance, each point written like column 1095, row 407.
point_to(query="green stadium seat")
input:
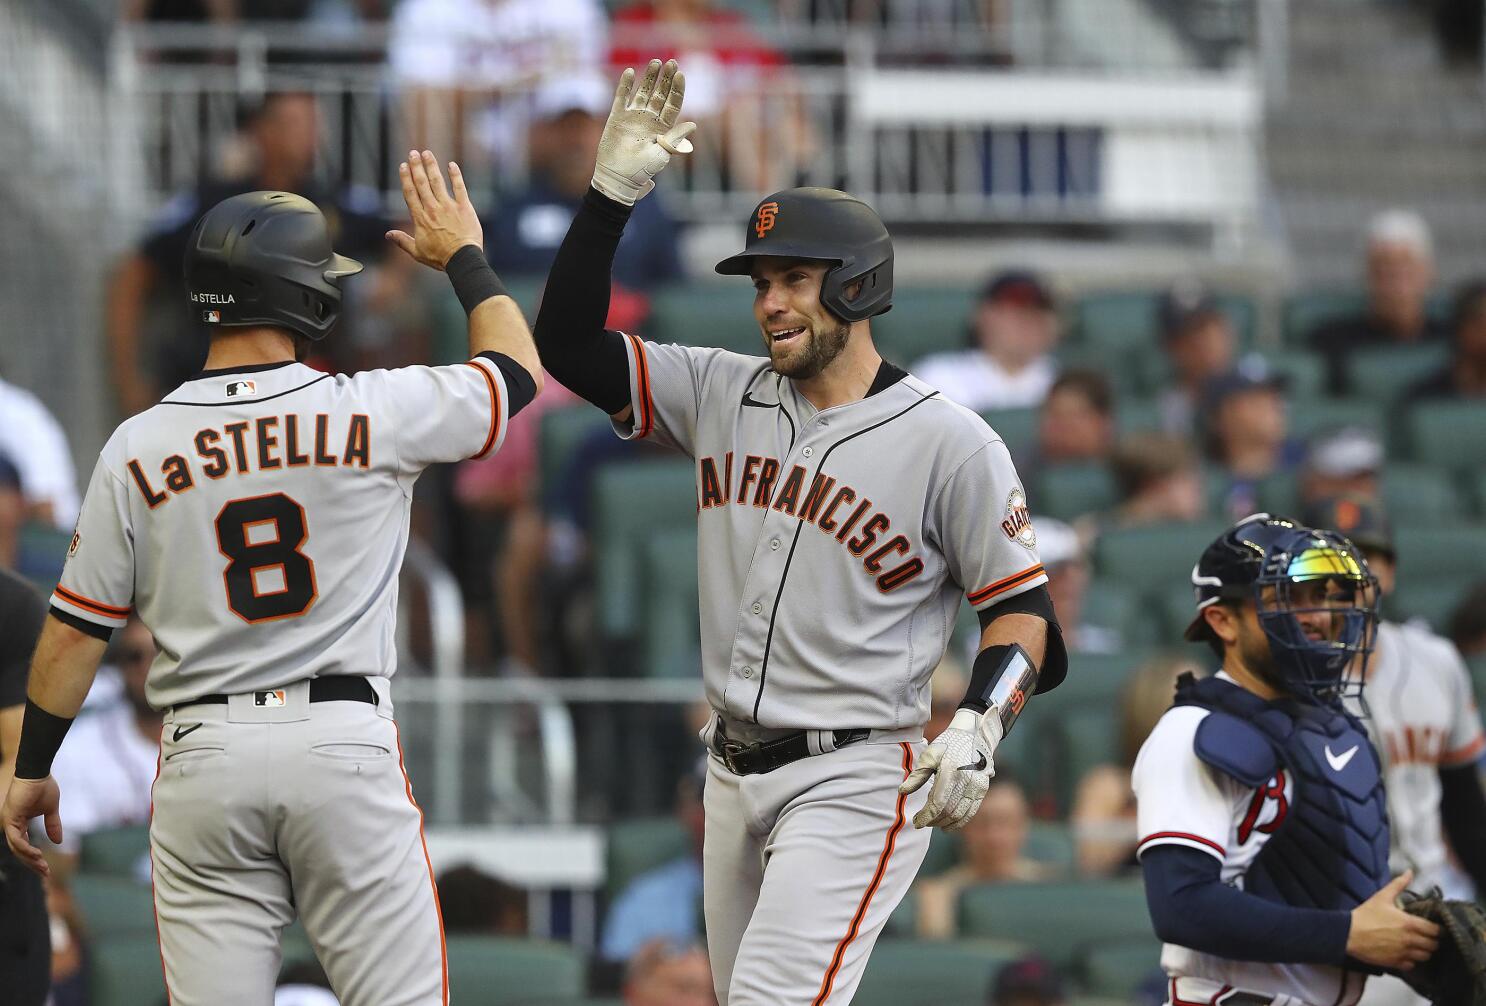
column 40, row 553
column 1110, row 603
column 923, row 320
column 707, row 314
column 639, row 845
column 1449, row 434
column 1067, row 491
column 1432, row 599
column 1386, row 372
column 1119, row 967
column 1051, row 842
column 632, row 499
column 933, row 972
column 451, row 324
column 561, row 433
column 670, row 644
column 1279, row 494
column 1434, row 553
column 1310, row 416
column 1424, row 493
column 903, row 923
column 1095, row 677
column 1178, row 606
column 1017, row 428
column 1304, row 372
column 1081, row 737
column 1058, row 918
column 1142, row 415
column 114, row 906
column 115, row 851
column 1475, row 490
column 1146, row 558
column 1477, row 665
column 1304, row 310
column 497, row 971
column 125, row 971
column 1126, row 320
column 944, row 852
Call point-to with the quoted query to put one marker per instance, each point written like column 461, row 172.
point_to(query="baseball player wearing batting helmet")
column 844, row 508
column 256, row 521
column 1260, row 801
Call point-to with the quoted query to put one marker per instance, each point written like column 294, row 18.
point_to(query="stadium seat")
column 497, row 971
column 1067, row 491
column 451, row 324
column 1140, row 415
column 1303, row 372
column 1306, row 309
column 1309, row 416
column 903, row 923
column 114, row 906
column 1432, row 599
column 640, row 845
column 1017, row 428
column 125, row 971
column 40, row 553
column 905, row 972
column 707, row 314
column 562, row 431
column 1080, row 737
column 670, row 643
column 1095, row 677
column 1421, row 493
column 1148, row 558
column 1433, row 553
column 1448, row 434
column 1126, row 320
column 116, row 851
column 1056, row 919
column 1477, row 665
column 1051, row 842
column 1110, row 603
column 1386, row 372
column 631, row 499
column 1475, row 490
column 923, row 320
column 944, row 852
column 1119, row 967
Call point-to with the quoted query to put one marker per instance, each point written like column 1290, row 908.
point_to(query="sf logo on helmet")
column 767, row 213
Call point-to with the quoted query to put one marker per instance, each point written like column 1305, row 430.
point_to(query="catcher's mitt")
column 1456, row 974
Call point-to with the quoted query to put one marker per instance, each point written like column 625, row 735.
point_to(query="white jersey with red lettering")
column 1181, row 800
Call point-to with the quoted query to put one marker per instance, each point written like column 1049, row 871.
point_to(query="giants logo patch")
column 1018, row 523
column 768, row 213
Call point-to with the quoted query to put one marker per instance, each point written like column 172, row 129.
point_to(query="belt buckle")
column 729, row 750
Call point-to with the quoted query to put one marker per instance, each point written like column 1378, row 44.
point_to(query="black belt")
column 766, row 756
column 335, row 688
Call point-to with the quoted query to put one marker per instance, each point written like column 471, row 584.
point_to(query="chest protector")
column 1329, row 847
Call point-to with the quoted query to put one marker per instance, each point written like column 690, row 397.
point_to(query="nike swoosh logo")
column 1339, row 762
column 754, row 403
column 183, row 731
column 979, row 765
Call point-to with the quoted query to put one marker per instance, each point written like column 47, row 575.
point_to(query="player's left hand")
column 960, row 762
column 443, row 223
column 26, row 799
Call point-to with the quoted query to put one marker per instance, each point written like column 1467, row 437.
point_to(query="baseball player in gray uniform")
column 844, row 508
column 256, row 520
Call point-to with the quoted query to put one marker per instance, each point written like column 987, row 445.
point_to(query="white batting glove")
column 960, row 762
column 642, row 133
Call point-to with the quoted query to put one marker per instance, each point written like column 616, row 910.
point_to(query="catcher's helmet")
column 1262, row 552
column 828, row 224
column 264, row 258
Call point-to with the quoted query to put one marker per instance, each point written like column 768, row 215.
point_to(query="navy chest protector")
column 1329, row 843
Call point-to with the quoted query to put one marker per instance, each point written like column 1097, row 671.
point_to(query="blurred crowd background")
column 1190, row 259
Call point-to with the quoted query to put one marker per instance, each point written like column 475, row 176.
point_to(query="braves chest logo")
column 1267, row 809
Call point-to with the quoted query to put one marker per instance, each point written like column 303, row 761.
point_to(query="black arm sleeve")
column 1192, row 907
column 575, row 348
column 1463, row 813
column 521, row 385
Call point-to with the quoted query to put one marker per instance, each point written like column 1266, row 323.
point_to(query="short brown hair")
column 1091, row 384
column 1143, row 459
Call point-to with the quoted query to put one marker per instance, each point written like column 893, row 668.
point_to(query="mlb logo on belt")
column 211, row 317
column 236, row 389
column 271, row 699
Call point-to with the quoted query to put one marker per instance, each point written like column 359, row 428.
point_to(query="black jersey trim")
column 763, row 670
column 93, row 629
column 252, row 368
column 888, row 374
column 253, row 401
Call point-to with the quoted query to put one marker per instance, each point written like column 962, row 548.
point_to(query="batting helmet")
column 1262, row 559
column 264, row 258
column 826, row 224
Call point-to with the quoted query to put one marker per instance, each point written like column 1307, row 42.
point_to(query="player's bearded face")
column 801, row 336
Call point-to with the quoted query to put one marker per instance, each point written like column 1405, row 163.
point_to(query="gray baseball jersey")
column 257, row 519
column 834, row 546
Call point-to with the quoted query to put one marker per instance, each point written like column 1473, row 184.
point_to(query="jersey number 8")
column 267, row 577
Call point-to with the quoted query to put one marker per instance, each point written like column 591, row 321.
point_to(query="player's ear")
column 1223, row 620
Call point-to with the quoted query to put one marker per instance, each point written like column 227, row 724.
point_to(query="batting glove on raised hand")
column 960, row 762
column 642, row 133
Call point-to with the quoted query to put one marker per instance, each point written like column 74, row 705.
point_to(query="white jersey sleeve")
column 1180, row 800
column 97, row 583
column 981, row 522
column 442, row 414
column 668, row 384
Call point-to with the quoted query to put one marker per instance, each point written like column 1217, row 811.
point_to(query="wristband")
column 1002, row 678
column 41, row 738
column 473, row 280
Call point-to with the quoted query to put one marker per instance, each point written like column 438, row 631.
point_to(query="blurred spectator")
column 1400, row 273
column 1068, row 575
column 1248, row 436
column 1158, row 479
column 34, row 442
column 1467, row 626
column 1465, row 375
column 279, row 137
column 524, row 230
column 1077, row 421
column 1010, row 364
column 107, row 767
column 665, row 902
column 1031, row 981
column 1103, row 813
column 472, row 901
column 1200, row 345
column 947, row 689
column 303, row 983
column 12, row 513
column 992, row 851
column 662, row 973
column 219, row 11
column 1342, row 462
column 471, row 63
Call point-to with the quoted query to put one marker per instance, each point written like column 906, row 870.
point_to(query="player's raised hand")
column 959, row 760
column 27, row 799
column 642, row 132
column 443, row 222
column 1386, row 935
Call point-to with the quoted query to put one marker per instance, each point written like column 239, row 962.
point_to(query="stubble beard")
column 819, row 353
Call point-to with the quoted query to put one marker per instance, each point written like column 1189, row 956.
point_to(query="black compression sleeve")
column 41, row 737
column 473, row 280
column 1463, row 813
column 575, row 348
column 520, row 384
